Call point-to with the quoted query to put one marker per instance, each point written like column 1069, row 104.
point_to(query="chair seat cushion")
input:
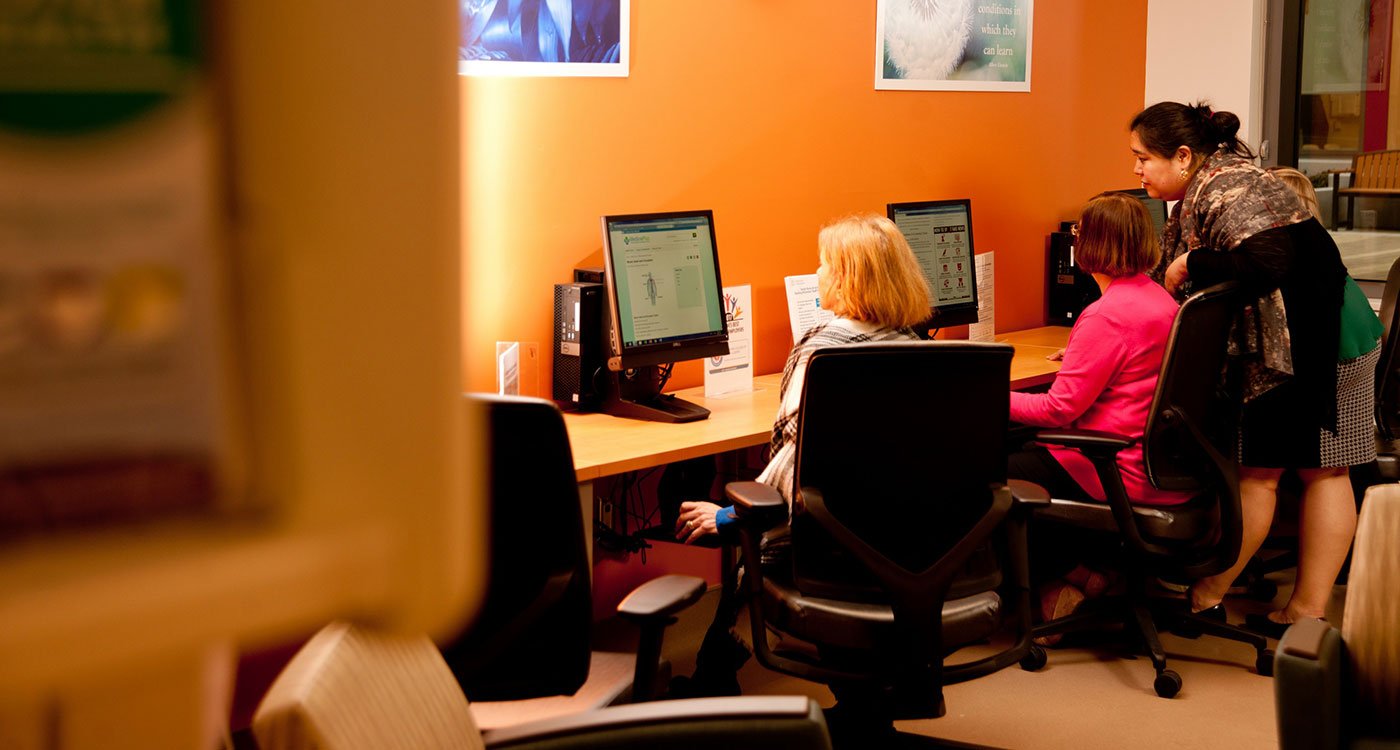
column 1189, row 524
column 868, row 625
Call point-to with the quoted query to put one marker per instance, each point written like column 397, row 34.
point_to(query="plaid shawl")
column 1228, row 201
column 782, row 463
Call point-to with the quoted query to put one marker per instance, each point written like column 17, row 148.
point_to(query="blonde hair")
column 1116, row 237
column 873, row 273
column 1302, row 185
column 1371, row 618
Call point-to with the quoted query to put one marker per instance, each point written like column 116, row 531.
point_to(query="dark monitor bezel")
column 1142, row 196
column 678, row 349
column 962, row 313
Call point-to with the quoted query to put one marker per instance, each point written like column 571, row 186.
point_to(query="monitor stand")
column 637, row 397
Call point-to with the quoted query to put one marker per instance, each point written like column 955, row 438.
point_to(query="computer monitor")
column 1156, row 208
column 940, row 234
column 666, row 304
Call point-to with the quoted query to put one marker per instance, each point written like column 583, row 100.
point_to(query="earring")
column 1184, row 173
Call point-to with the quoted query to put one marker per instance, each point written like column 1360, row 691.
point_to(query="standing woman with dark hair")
column 1234, row 221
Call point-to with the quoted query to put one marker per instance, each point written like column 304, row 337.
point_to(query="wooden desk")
column 604, row 445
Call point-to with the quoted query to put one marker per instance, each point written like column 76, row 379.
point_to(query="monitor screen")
column 1156, row 208
column 940, row 234
column 664, row 289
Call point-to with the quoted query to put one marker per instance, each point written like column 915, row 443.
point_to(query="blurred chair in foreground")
column 354, row 689
column 1342, row 689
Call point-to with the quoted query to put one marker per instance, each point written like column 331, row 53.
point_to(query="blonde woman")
column 1371, row 620
column 869, row 278
column 1301, row 186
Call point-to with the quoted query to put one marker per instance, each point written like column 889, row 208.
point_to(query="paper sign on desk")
column 733, row 372
column 508, row 368
column 804, row 306
column 985, row 327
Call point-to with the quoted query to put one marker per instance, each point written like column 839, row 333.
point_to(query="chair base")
column 1141, row 615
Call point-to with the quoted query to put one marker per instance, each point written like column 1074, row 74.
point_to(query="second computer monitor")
column 940, row 234
column 1156, row 208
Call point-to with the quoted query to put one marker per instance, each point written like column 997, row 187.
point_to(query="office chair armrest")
column 1102, row 448
column 736, row 723
column 1028, row 493
column 756, row 505
column 1308, row 686
column 651, row 607
column 1090, row 442
column 661, row 598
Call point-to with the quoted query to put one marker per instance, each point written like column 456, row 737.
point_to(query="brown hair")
column 1116, row 237
column 873, row 272
column 1301, row 185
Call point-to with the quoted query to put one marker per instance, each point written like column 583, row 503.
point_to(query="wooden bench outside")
column 1374, row 174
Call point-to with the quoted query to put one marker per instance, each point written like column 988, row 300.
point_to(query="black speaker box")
column 1068, row 289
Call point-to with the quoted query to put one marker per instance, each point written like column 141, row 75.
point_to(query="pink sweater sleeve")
column 1094, row 355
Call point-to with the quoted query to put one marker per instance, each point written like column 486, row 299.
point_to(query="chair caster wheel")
column 1034, row 659
column 1264, row 663
column 1167, row 684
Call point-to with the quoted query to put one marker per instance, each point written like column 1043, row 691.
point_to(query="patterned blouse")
column 1227, row 201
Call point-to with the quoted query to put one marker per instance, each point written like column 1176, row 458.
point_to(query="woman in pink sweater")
column 1108, row 376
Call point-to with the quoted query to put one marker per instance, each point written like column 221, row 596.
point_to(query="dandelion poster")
column 544, row 38
column 953, row 45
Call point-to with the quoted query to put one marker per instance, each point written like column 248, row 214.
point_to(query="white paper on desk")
column 733, row 372
column 985, row 327
column 508, row 368
column 804, row 306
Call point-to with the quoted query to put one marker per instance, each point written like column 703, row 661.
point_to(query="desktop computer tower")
column 1068, row 289
column 580, row 346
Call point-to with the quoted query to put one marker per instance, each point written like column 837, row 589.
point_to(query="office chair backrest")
column 1387, row 379
column 904, row 441
column 353, row 689
column 1188, row 444
column 532, row 637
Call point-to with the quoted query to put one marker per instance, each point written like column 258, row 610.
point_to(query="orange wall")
column 766, row 113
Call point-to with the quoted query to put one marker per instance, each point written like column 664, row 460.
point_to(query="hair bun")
column 1226, row 125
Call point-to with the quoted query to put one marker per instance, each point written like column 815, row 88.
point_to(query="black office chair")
column 1190, row 425
column 532, row 636
column 896, row 560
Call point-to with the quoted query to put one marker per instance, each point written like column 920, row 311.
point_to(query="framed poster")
column 544, row 38
column 953, row 45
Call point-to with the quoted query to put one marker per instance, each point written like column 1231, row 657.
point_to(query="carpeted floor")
column 1088, row 696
